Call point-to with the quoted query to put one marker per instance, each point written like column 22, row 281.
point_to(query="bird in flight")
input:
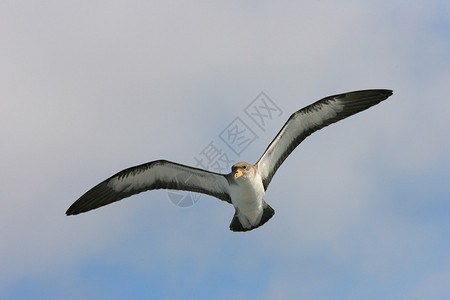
column 246, row 184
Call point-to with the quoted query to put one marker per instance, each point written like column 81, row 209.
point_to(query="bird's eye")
column 245, row 167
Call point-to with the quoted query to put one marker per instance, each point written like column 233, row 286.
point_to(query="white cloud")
column 88, row 89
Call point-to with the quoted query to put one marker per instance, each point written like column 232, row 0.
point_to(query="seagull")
column 246, row 184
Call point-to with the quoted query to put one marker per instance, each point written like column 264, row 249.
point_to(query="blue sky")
column 90, row 88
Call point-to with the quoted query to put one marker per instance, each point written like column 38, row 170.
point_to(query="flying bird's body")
column 246, row 195
column 246, row 184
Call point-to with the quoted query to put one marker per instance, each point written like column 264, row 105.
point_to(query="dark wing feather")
column 310, row 119
column 159, row 174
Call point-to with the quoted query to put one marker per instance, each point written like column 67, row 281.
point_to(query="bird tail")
column 237, row 225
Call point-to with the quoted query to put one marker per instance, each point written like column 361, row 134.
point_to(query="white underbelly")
column 248, row 199
column 249, row 206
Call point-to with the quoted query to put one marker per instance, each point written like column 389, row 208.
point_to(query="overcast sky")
column 88, row 88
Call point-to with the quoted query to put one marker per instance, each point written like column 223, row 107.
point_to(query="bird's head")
column 241, row 170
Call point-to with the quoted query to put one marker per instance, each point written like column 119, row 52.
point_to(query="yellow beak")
column 237, row 174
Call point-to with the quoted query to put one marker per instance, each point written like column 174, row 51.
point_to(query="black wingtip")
column 388, row 93
column 77, row 207
column 384, row 94
column 96, row 197
column 72, row 210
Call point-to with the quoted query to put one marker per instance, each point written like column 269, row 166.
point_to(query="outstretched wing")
column 160, row 174
column 310, row 119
